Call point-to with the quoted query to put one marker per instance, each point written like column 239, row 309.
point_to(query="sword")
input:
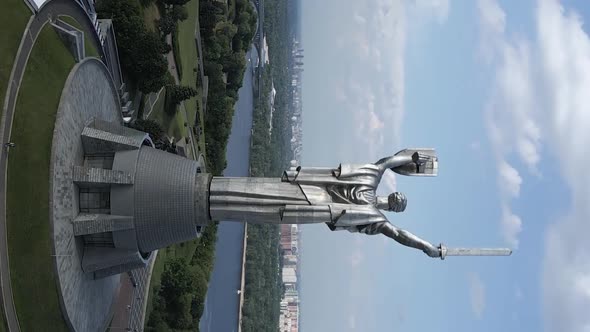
column 444, row 251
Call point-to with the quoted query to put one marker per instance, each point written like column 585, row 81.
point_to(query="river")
column 221, row 303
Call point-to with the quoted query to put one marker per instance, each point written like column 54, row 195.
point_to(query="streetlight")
column 9, row 145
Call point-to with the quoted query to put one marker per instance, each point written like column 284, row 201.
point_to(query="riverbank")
column 228, row 266
column 242, row 278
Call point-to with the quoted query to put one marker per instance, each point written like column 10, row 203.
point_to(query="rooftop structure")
column 114, row 198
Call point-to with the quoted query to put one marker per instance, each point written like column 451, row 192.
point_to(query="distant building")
column 289, row 275
column 264, row 59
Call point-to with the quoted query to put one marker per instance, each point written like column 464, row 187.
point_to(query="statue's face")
column 397, row 202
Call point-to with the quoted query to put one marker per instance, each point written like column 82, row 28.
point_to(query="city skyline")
column 289, row 310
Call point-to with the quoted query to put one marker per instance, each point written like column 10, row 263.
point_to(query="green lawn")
column 88, row 45
column 189, row 58
column 176, row 53
column 173, row 125
column 13, row 20
column 29, row 243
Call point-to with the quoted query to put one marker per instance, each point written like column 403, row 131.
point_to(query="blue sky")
column 502, row 90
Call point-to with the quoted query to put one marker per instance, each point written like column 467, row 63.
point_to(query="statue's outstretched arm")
column 411, row 162
column 393, row 162
column 408, row 239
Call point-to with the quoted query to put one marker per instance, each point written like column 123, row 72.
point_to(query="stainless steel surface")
column 343, row 197
column 473, row 251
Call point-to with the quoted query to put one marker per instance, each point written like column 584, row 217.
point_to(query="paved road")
column 52, row 9
column 151, row 101
column 242, row 279
column 201, row 67
column 131, row 301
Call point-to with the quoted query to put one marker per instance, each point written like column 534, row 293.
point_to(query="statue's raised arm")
column 411, row 162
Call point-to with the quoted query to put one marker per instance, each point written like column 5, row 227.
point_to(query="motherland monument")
column 344, row 198
column 115, row 199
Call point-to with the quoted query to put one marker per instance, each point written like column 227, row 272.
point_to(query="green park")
column 183, row 63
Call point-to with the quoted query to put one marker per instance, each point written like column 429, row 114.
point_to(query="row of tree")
column 279, row 37
column 225, row 42
column 263, row 287
column 263, row 284
column 171, row 15
column 140, row 51
column 270, row 155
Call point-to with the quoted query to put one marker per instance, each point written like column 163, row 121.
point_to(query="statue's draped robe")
column 343, row 198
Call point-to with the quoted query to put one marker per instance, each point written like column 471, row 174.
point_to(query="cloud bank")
column 545, row 103
column 510, row 112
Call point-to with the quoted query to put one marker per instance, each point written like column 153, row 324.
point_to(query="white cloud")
column 376, row 83
column 359, row 19
column 513, row 123
column 509, row 179
column 559, row 80
column 511, row 118
column 477, row 294
column 564, row 49
column 436, row 8
column 511, row 227
column 375, row 89
column 374, row 122
column 492, row 25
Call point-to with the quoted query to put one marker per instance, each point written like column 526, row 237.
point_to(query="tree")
column 167, row 25
column 179, row 93
column 150, row 127
column 234, row 63
column 140, row 50
column 175, row 2
column 117, row 9
column 179, row 13
column 176, row 279
column 165, row 145
column 149, row 66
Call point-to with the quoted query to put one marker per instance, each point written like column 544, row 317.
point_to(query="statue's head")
column 397, row 202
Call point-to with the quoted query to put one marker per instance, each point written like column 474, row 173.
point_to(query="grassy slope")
column 172, row 125
column 190, row 59
column 33, row 281
column 88, row 46
column 13, row 20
